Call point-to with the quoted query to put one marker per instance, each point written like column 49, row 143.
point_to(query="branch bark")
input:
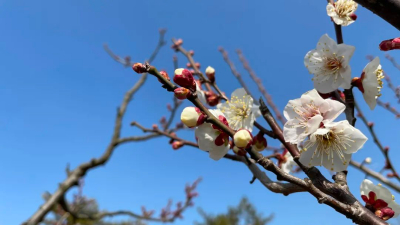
column 388, row 10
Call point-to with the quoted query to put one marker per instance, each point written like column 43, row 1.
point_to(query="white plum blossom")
column 200, row 93
column 212, row 139
column 331, row 146
column 306, row 114
column 240, row 110
column 342, row 12
column 379, row 200
column 286, row 162
column 329, row 63
column 371, row 82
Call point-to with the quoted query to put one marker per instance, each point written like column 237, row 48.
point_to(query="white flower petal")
column 218, row 152
column 336, row 109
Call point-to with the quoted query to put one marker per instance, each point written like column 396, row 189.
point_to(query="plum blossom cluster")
column 379, row 200
column 329, row 63
column 238, row 113
column 326, row 143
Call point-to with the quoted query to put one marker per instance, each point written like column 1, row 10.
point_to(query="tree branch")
column 81, row 170
column 388, row 10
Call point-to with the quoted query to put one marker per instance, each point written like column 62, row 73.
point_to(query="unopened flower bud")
column 177, row 145
column 210, row 72
column 353, row 16
column 384, row 213
column 155, row 127
column 139, row 68
column 259, row 142
column 368, row 160
column 390, row 44
column 242, row 138
column 191, row 52
column 179, row 125
column 192, row 117
column 197, row 65
column 239, row 151
column 370, row 124
column 176, row 44
column 169, row 107
column 386, row 148
column 184, row 78
column 181, row 93
column 391, row 175
column 188, row 65
column 165, row 75
column 326, row 95
column 212, row 98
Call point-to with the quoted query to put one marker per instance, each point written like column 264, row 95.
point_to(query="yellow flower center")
column 237, row 110
column 379, row 76
column 328, row 145
column 345, row 7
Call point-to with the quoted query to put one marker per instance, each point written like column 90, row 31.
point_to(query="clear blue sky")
column 59, row 92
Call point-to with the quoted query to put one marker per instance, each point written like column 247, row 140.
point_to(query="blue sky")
column 59, row 92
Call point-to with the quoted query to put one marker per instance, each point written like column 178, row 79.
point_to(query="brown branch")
column 261, row 87
column 375, row 175
column 166, row 216
column 81, row 170
column 235, row 72
column 127, row 60
column 164, row 133
column 389, row 108
column 388, row 10
column 393, row 61
column 335, row 195
column 198, row 72
column 277, row 130
column 378, row 143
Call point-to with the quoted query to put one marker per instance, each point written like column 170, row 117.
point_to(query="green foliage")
column 243, row 214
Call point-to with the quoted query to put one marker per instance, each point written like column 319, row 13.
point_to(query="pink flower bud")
column 386, row 148
column 191, row 52
column 155, row 127
column 390, row 44
column 165, row 75
column 188, row 65
column 384, row 213
column 177, row 145
column 239, row 151
column 197, row 65
column 353, row 16
column 259, row 142
column 169, row 107
column 210, row 72
column 179, row 125
column 181, row 93
column 370, row 124
column 391, row 175
column 242, row 138
column 163, row 120
column 176, row 44
column 139, row 68
column 325, row 96
column 184, row 78
column 212, row 98
column 192, row 117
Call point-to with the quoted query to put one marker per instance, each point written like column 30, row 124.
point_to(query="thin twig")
column 81, row 170
column 385, row 152
column 198, row 72
column 261, row 87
